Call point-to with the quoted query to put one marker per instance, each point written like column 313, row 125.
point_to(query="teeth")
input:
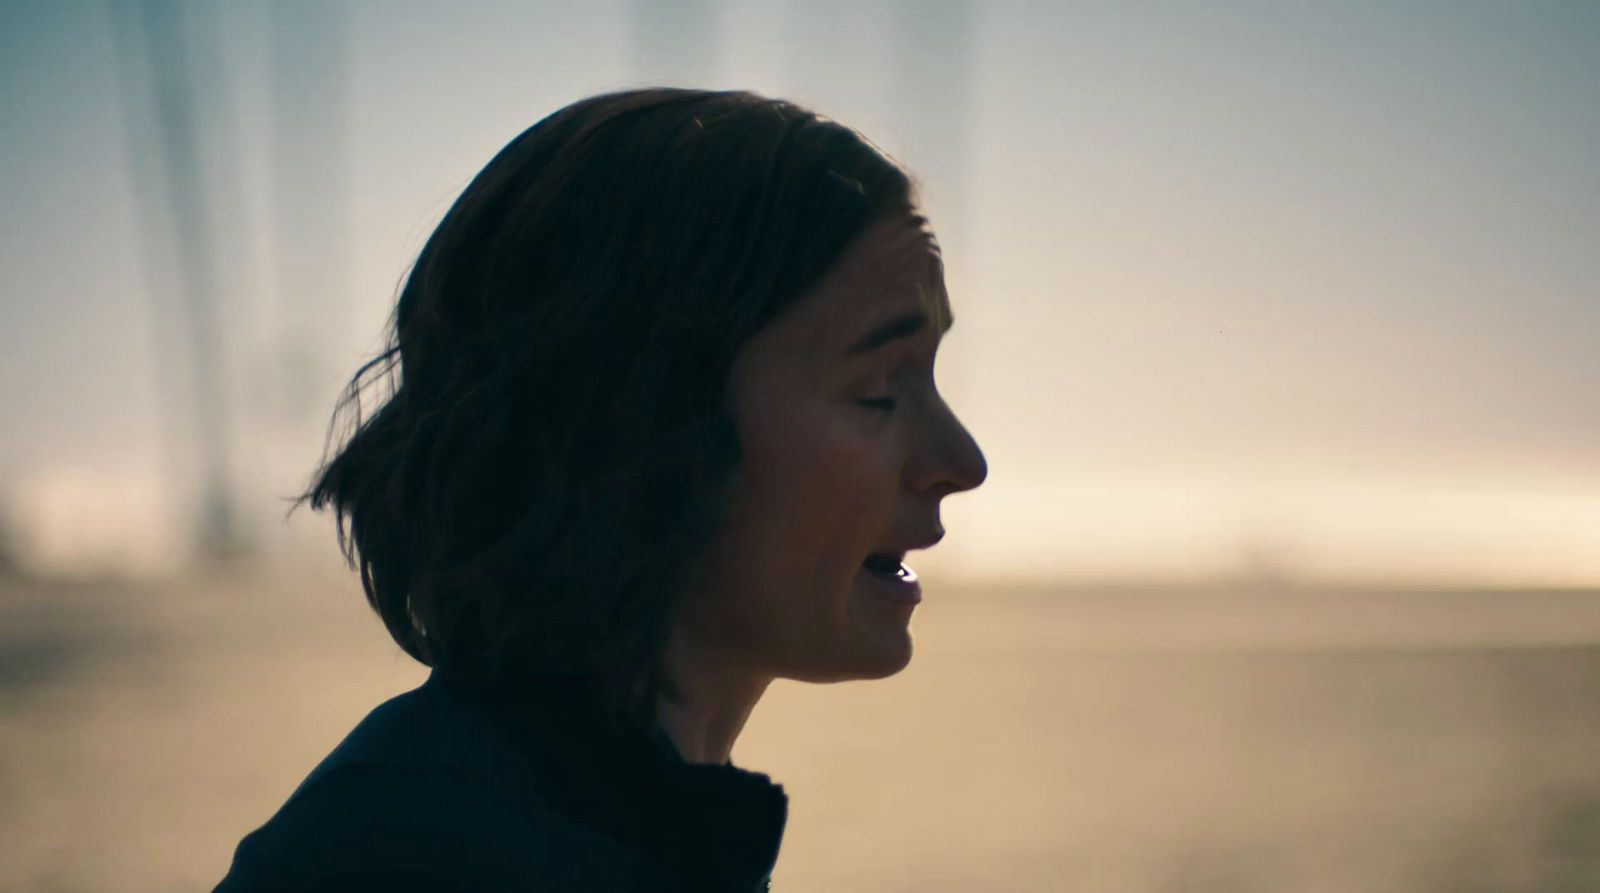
column 889, row 567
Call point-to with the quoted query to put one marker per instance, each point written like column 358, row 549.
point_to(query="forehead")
column 893, row 267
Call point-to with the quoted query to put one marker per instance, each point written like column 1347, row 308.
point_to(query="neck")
column 711, row 701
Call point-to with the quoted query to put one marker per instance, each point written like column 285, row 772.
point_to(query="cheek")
column 818, row 486
column 811, row 496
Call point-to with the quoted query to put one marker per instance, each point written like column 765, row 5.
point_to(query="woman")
column 662, row 426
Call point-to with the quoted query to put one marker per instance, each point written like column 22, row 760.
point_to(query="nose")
column 952, row 461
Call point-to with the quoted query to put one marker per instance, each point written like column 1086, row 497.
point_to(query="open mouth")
column 887, row 574
column 885, row 565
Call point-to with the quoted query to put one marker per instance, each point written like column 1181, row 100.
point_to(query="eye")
column 881, row 404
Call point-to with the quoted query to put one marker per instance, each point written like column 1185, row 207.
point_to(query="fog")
column 1135, row 740
column 1277, row 328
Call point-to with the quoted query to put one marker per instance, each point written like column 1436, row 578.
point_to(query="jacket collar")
column 715, row 828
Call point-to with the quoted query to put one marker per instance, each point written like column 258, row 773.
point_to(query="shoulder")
column 402, row 829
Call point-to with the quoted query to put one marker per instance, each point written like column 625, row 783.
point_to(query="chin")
column 884, row 671
column 889, row 661
column 880, row 661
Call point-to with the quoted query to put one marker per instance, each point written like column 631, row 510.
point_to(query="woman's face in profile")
column 845, row 454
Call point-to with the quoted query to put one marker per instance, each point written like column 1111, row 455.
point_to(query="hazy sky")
column 1315, row 287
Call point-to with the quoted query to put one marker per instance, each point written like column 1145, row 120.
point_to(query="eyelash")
column 881, row 404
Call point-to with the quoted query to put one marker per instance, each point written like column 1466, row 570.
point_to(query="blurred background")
column 1277, row 323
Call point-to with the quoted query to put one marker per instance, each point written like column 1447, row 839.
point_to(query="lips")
column 900, row 548
column 891, row 561
column 899, row 585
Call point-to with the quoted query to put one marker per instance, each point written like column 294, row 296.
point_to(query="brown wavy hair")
column 555, row 449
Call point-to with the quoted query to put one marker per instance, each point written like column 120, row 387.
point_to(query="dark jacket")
column 455, row 787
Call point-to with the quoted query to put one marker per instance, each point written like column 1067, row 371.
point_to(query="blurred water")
column 1137, row 741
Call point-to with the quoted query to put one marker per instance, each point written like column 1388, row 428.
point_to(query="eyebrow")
column 903, row 326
